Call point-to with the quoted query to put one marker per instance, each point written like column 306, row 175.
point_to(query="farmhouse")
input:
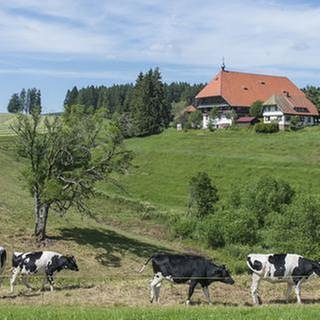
column 232, row 94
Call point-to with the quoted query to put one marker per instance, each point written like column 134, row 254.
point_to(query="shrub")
column 266, row 195
column 182, row 226
column 256, row 109
column 297, row 229
column 266, row 127
column 202, row 195
column 210, row 230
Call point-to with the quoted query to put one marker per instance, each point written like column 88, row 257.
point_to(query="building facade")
column 232, row 93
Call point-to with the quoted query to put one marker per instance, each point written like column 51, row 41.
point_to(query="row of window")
column 288, row 118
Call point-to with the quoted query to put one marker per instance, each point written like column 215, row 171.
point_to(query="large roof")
column 242, row 89
column 294, row 105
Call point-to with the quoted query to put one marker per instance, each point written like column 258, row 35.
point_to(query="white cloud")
column 250, row 34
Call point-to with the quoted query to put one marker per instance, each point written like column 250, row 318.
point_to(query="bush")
column 202, row 195
column 210, row 231
column 266, row 195
column 266, row 127
column 297, row 229
column 240, row 227
column 182, row 226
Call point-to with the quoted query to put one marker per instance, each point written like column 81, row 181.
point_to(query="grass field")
column 165, row 163
column 284, row 313
column 112, row 247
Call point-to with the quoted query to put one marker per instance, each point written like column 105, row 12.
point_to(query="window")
column 279, row 118
column 288, row 118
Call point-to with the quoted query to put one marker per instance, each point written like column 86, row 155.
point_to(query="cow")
column 3, row 259
column 185, row 268
column 45, row 263
column 290, row 268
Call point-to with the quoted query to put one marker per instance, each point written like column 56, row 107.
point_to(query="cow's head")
column 220, row 273
column 70, row 263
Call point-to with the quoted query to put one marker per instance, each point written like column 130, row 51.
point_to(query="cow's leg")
column 192, row 285
column 157, row 292
column 289, row 288
column 13, row 279
column 155, row 286
column 254, row 289
column 50, row 280
column 44, row 282
column 207, row 294
column 25, row 282
column 297, row 289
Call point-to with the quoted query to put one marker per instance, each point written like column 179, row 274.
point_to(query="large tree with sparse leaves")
column 66, row 156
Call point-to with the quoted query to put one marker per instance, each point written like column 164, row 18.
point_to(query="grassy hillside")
column 165, row 163
column 6, row 119
column 113, row 246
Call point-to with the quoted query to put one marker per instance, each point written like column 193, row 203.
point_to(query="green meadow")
column 127, row 227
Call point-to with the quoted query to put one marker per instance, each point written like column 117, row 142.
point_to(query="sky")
column 54, row 45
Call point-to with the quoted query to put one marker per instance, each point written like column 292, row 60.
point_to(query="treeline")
column 26, row 101
column 313, row 94
column 140, row 109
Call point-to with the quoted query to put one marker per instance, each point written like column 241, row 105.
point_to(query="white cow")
column 46, row 263
column 290, row 268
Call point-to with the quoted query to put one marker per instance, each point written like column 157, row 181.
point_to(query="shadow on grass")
column 112, row 243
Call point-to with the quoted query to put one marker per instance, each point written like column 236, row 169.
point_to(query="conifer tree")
column 14, row 105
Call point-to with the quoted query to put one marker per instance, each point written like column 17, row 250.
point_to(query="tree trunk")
column 41, row 217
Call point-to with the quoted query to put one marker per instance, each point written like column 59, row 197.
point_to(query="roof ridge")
column 256, row 74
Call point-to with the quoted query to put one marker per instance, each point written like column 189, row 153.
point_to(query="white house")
column 281, row 109
column 237, row 91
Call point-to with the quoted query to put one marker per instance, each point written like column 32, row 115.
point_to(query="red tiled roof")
column 242, row 89
column 245, row 119
column 190, row 108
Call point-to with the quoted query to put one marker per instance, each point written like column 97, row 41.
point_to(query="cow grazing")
column 3, row 259
column 46, row 263
column 185, row 268
column 290, row 268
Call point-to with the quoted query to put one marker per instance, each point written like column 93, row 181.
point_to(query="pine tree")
column 23, row 99
column 71, row 99
column 148, row 110
column 14, row 105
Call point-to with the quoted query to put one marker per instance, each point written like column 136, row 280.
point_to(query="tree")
column 256, row 109
column 195, row 119
column 14, row 105
column 202, row 195
column 313, row 94
column 149, row 112
column 65, row 157
column 33, row 101
column 23, row 99
column 71, row 98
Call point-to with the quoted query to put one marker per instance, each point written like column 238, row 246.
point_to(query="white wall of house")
column 216, row 123
column 285, row 120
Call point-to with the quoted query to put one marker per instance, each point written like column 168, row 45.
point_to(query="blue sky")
column 56, row 44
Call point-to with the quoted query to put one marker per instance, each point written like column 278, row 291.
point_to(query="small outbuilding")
column 246, row 121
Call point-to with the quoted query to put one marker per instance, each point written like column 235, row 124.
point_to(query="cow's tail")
column 145, row 264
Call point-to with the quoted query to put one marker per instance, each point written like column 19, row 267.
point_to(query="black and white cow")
column 3, row 259
column 290, row 268
column 185, row 268
column 46, row 263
